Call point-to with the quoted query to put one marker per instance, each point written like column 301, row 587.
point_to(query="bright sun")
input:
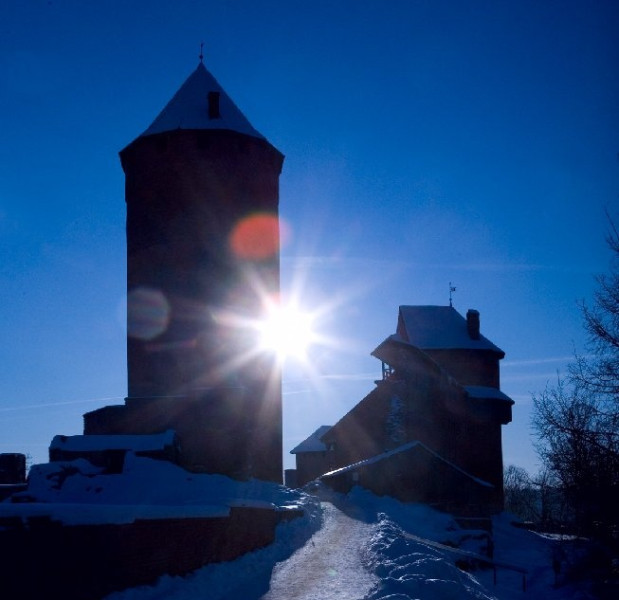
column 288, row 331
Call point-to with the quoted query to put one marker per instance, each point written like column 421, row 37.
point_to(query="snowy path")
column 392, row 550
column 329, row 565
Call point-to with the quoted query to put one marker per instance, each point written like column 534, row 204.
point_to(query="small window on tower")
column 213, row 105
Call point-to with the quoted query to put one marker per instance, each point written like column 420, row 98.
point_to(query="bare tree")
column 521, row 497
column 570, row 434
column 599, row 373
column 576, row 421
column 551, row 506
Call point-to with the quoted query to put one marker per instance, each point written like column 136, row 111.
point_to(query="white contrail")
column 537, row 361
column 51, row 404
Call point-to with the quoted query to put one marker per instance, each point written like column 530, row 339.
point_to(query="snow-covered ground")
column 391, row 565
column 354, row 547
column 331, row 565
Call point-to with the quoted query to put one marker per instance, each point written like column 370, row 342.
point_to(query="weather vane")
column 201, row 57
column 452, row 289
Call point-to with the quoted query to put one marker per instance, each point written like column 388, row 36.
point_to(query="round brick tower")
column 202, row 194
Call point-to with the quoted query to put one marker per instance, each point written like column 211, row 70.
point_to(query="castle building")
column 202, row 195
column 430, row 431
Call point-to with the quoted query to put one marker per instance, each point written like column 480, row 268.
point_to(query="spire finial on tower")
column 452, row 289
column 201, row 56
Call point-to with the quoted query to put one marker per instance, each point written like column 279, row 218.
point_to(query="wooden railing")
column 479, row 557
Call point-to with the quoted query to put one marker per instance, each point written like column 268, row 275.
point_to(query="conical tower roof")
column 189, row 108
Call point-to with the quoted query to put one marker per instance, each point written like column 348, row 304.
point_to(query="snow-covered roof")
column 189, row 108
column 313, row 443
column 93, row 443
column 490, row 393
column 439, row 328
column 403, row 448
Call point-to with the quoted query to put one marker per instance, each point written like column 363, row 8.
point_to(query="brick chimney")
column 472, row 323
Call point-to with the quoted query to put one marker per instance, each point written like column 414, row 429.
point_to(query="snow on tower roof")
column 201, row 103
column 439, row 328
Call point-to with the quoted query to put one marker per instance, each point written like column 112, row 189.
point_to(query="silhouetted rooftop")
column 313, row 443
column 438, row 328
column 189, row 108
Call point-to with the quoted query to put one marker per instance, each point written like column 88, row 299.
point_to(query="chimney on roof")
column 472, row 323
column 213, row 105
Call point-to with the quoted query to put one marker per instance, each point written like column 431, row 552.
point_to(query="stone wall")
column 42, row 558
column 416, row 475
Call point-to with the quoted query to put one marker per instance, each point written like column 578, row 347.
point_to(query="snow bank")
column 76, row 492
column 409, row 569
column 144, row 481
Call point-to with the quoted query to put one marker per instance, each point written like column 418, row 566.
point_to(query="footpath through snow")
column 330, row 565
column 364, row 547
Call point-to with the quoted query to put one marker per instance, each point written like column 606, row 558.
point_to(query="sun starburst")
column 288, row 331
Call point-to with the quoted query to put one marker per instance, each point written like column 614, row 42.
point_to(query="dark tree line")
column 576, row 421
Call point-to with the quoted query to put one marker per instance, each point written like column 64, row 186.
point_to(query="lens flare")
column 148, row 313
column 256, row 237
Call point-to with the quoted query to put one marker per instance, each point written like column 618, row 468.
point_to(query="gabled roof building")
column 431, row 429
column 311, row 456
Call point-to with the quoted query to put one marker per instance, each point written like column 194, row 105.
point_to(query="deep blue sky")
column 426, row 142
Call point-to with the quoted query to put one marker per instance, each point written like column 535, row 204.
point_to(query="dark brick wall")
column 435, row 410
column 417, row 476
column 310, row 465
column 469, row 367
column 43, row 559
column 186, row 191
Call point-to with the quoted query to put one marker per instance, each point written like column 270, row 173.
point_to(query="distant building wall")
column 432, row 409
column 290, row 478
column 418, row 476
column 483, row 442
column 469, row 367
column 12, row 468
column 421, row 402
column 311, row 465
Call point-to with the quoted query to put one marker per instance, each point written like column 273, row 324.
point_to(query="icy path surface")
column 329, row 565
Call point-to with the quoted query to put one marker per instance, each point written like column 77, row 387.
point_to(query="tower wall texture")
column 186, row 192
column 202, row 260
